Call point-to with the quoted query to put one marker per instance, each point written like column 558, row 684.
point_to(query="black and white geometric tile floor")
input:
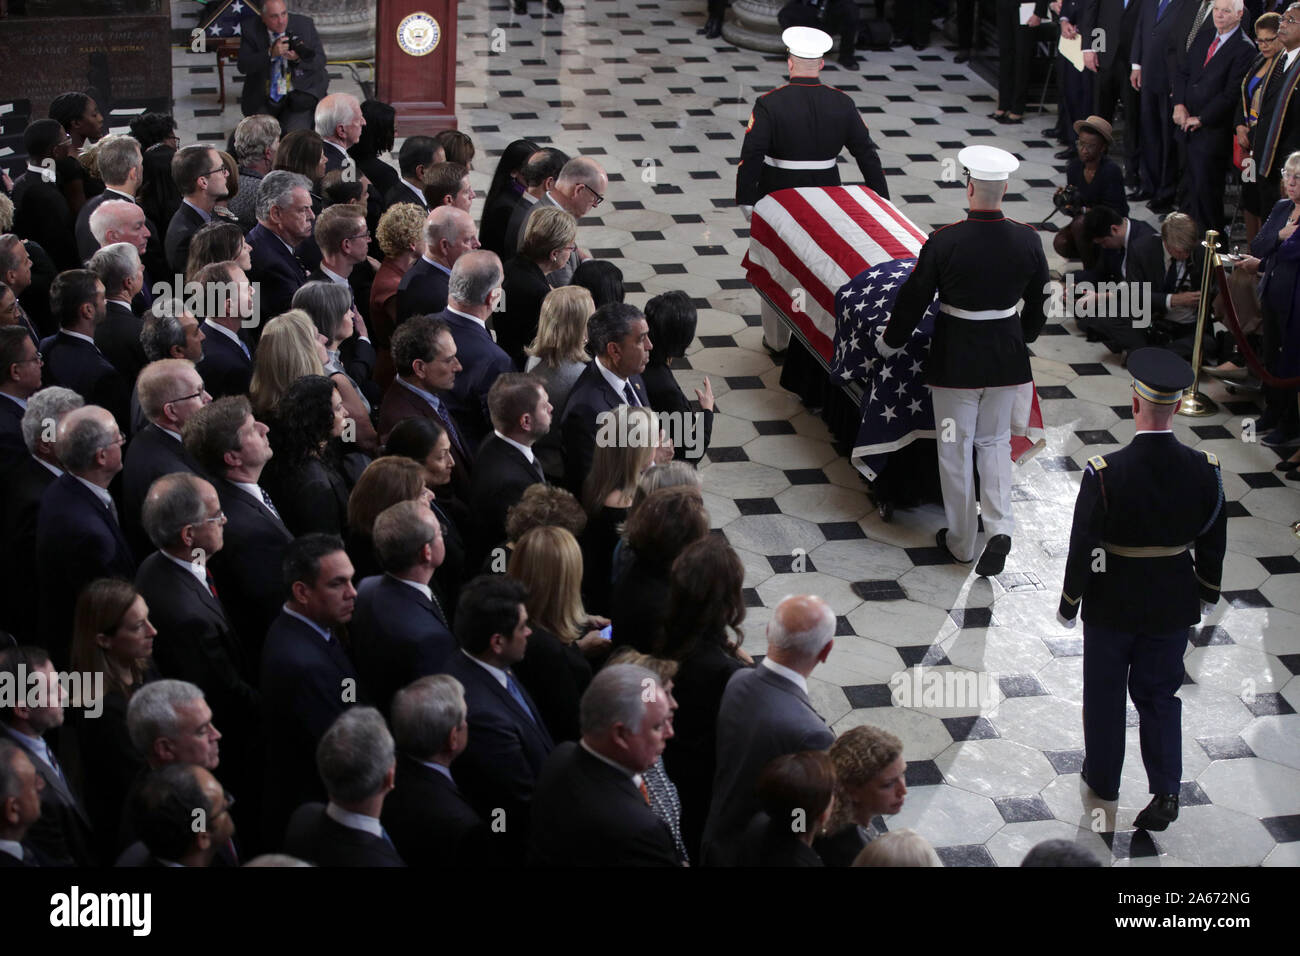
column 664, row 111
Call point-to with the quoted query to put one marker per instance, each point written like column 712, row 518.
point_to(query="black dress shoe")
column 555, row 6
column 1286, row 464
column 994, row 558
column 849, row 62
column 1161, row 206
column 1067, row 153
column 961, row 57
column 1139, row 195
column 521, row 6
column 1159, row 813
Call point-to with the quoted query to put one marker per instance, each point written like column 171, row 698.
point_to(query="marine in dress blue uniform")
column 794, row 136
column 980, row 268
column 1146, row 559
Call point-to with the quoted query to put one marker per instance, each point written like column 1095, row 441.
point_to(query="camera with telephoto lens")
column 298, row 46
column 1068, row 200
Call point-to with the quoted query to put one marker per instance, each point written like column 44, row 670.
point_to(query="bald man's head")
column 801, row 632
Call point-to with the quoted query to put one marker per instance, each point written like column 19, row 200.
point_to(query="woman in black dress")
column 304, row 476
column 797, row 794
column 549, row 238
column 556, row 667
column 112, row 640
column 504, row 195
column 424, row 441
column 706, row 607
column 870, row 783
column 672, row 319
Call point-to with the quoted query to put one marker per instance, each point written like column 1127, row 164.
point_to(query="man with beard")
column 204, row 181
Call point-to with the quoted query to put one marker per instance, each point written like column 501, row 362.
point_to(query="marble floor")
column 664, row 111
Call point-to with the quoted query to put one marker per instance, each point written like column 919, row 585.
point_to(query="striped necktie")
column 1197, row 23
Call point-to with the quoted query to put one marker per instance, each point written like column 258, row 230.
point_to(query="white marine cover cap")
column 807, row 43
column 988, row 163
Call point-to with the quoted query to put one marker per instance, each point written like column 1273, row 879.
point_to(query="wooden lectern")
column 415, row 63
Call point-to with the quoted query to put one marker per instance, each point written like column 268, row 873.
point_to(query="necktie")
column 266, row 500
column 449, row 426
column 29, row 858
column 212, row 585
column 1199, row 20
column 112, row 510
column 518, row 695
column 630, row 392
column 437, row 607
column 1210, row 52
column 645, row 792
column 1160, row 10
column 53, row 761
column 279, row 83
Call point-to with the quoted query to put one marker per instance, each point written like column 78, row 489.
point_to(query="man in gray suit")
column 580, row 188
column 765, row 713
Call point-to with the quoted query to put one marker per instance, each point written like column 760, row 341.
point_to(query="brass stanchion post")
column 1195, row 403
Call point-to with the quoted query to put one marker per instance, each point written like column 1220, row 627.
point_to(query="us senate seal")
column 418, row 34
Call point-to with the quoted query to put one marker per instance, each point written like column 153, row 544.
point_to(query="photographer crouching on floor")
column 1091, row 179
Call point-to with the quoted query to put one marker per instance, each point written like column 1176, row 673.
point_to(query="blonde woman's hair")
column 286, row 352
column 562, row 326
column 548, row 229
column 618, row 466
column 401, row 229
column 898, row 848
column 858, row 754
column 661, row 667
column 548, row 562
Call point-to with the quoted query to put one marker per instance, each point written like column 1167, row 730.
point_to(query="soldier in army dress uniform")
column 1146, row 560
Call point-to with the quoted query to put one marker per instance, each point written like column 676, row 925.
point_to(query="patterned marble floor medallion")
column 632, row 85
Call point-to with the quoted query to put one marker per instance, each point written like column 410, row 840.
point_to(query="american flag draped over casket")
column 833, row 259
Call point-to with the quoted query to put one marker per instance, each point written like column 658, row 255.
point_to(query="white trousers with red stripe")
column 973, row 426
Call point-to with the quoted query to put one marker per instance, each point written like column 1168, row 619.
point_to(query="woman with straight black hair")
column 504, row 196
column 672, row 319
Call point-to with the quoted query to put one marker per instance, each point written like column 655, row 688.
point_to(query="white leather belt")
column 800, row 163
column 982, row 315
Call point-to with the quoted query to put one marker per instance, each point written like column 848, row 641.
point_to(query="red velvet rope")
column 1252, row 360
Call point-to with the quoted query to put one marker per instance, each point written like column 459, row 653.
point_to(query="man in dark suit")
column 539, row 173
column 196, row 642
column 508, row 742
column 1205, row 92
column 1139, row 508
column 473, row 289
column 203, row 181
column 424, row 356
column 339, row 123
column 26, row 483
column 506, row 465
column 283, row 64
column 619, row 337
column 117, row 337
column 20, row 804
column 231, row 448
column 121, row 166
column 62, row 834
column 121, row 220
column 227, row 364
column 16, row 272
column 357, row 763
column 41, row 213
column 765, row 713
column 20, row 379
column 399, row 628
column 417, row 154
column 170, row 392
column 307, row 678
column 625, row 724
column 1161, row 271
column 1156, row 45
column 165, row 808
column 430, row 821
column 78, row 538
column 284, row 219
column 71, row 357
column 449, row 233
column 1112, row 62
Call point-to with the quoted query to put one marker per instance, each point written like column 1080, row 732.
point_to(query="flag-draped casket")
column 832, row 260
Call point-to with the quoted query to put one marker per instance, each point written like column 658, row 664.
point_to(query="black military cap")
column 1159, row 375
